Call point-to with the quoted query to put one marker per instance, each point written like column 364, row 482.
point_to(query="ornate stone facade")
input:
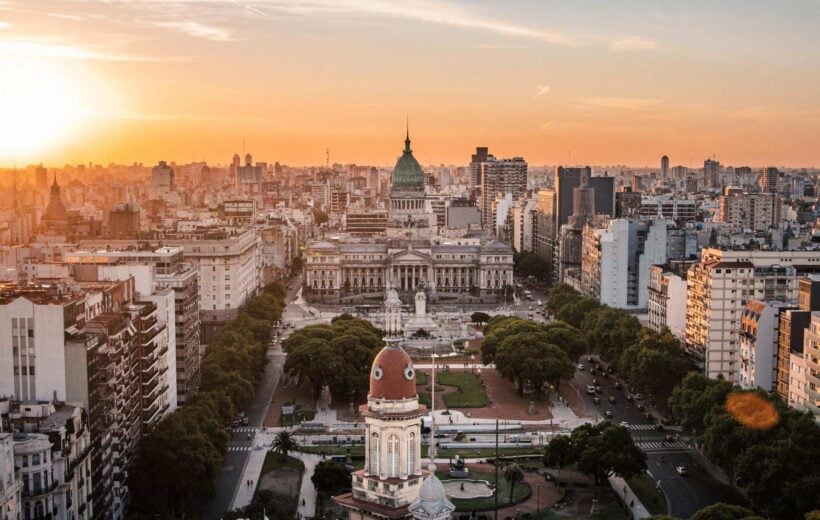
column 346, row 269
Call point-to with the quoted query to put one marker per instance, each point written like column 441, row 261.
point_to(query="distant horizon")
column 601, row 82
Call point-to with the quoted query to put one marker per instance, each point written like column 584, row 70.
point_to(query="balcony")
column 40, row 490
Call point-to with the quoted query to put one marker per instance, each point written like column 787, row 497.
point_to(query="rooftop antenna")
column 327, row 158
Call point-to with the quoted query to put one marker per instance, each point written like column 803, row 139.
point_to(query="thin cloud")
column 541, row 90
column 198, row 30
column 66, row 16
column 4, row 25
column 52, row 50
column 619, row 103
column 547, row 125
column 633, row 43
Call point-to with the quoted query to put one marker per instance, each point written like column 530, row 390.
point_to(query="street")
column 684, row 494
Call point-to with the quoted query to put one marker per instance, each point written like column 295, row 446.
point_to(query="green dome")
column 408, row 172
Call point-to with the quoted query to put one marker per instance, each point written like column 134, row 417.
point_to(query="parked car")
column 605, row 375
column 592, row 371
column 608, row 414
column 617, row 386
column 591, row 389
column 641, row 408
column 630, row 398
column 612, row 399
column 599, row 390
column 580, row 366
column 245, row 421
column 681, row 469
column 596, row 400
column 589, row 359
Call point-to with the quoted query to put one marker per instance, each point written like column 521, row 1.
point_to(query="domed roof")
column 392, row 375
column 55, row 209
column 408, row 172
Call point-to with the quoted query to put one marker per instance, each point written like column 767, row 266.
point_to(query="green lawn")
column 421, row 377
column 424, row 398
column 609, row 508
column 521, row 492
column 296, row 417
column 274, row 461
column 470, row 394
column 649, row 494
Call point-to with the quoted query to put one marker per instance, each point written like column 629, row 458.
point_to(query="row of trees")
column 531, row 354
column 177, row 463
column 775, row 466
column 599, row 450
column 650, row 362
column 338, row 355
column 767, row 449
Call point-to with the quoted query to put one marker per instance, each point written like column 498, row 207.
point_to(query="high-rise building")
column 500, row 177
column 567, row 179
column 681, row 211
column 627, row 203
column 666, row 300
column 811, row 355
column 480, row 156
column 753, row 211
column 41, row 178
column 768, row 180
column 162, row 179
column 711, row 173
column 124, row 221
column 616, row 260
column 10, row 486
column 664, row 167
column 792, row 327
column 718, row 288
column 759, row 336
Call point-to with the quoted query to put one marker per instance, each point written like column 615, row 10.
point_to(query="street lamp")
column 432, row 450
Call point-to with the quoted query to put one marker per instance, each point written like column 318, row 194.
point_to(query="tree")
column 497, row 330
column 479, row 317
column 527, row 358
column 331, row 478
column 526, row 264
column 695, row 399
column 574, row 313
column 513, row 474
column 655, row 365
column 559, row 296
column 319, row 216
column 610, row 331
column 283, row 444
column 559, row 452
column 721, row 511
column 604, row 449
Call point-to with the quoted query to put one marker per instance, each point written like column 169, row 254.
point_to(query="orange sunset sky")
column 611, row 82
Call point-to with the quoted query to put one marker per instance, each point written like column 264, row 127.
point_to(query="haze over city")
column 596, row 83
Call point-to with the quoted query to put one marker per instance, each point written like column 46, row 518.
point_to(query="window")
column 375, row 454
column 411, row 453
column 393, row 456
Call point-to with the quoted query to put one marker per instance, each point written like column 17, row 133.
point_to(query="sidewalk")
column 307, row 493
column 629, row 498
column 251, row 471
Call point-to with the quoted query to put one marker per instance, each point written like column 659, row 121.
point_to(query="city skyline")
column 603, row 83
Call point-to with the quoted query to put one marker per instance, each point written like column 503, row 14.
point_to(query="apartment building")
column 793, row 326
column 718, row 288
column 10, row 486
column 811, row 359
column 666, row 300
column 759, row 336
column 752, row 211
column 616, row 260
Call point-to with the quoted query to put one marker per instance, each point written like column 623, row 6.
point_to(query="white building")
column 718, row 288
column 759, row 336
column 616, row 260
column 9, row 485
column 811, row 352
column 666, row 302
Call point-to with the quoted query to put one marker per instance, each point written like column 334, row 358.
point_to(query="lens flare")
column 752, row 411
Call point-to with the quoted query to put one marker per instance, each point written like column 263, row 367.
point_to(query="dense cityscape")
column 507, row 335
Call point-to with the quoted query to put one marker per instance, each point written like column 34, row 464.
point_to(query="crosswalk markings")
column 642, row 426
column 240, row 448
column 246, row 429
column 662, row 445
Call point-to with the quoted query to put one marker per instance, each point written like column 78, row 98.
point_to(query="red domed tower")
column 392, row 474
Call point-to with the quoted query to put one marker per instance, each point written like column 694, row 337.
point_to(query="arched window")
column 411, row 453
column 375, row 454
column 393, row 456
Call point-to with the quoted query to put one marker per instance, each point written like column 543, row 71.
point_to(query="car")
column 440, row 435
column 592, row 371
column 530, row 308
column 580, row 366
column 599, row 390
column 589, row 359
column 641, row 408
column 608, row 414
column 625, row 424
column 598, row 366
column 605, row 375
column 596, row 400
column 245, row 421
column 659, row 427
column 595, row 381
column 670, row 437
column 612, row 399
column 682, row 470
column 590, row 389
column 639, row 397
column 649, row 416
column 617, row 386
column 630, row 398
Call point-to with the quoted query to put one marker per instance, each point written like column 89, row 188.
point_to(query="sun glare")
column 40, row 106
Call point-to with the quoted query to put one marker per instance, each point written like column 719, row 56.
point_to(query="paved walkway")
column 307, row 493
column 629, row 498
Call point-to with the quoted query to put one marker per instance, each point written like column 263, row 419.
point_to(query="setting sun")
column 39, row 106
